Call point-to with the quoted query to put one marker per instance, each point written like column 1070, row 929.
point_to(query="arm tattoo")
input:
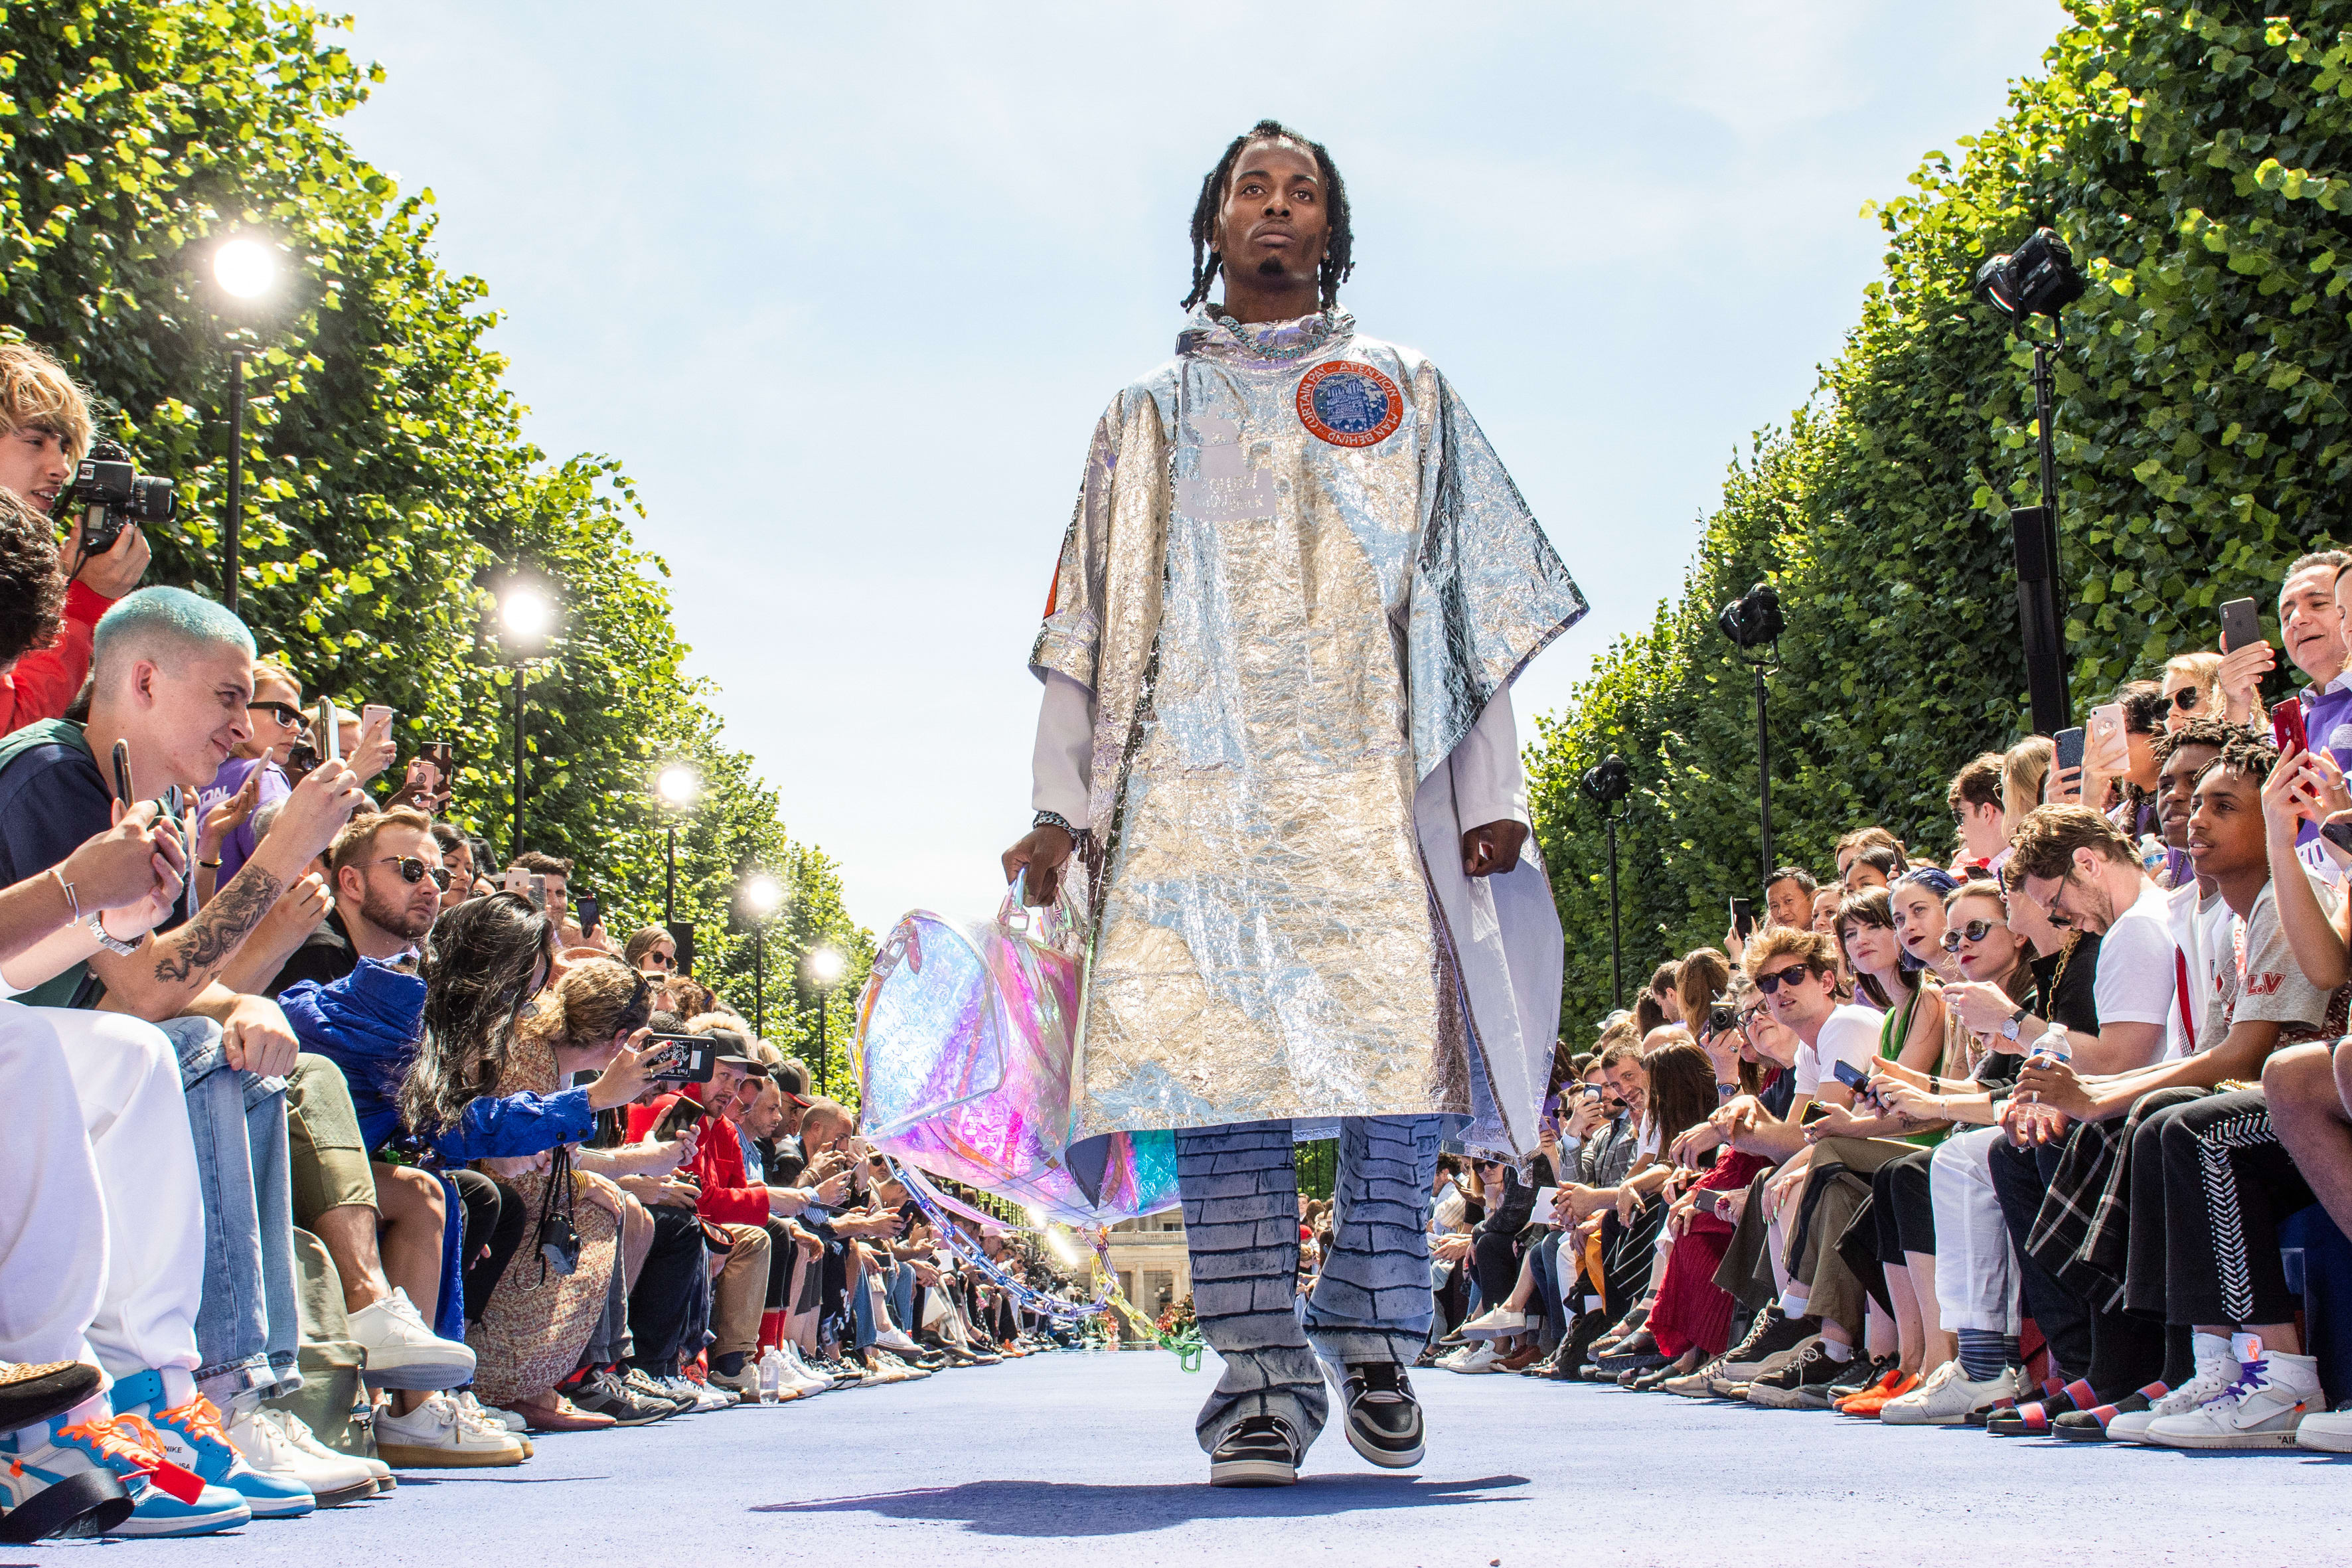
column 218, row 927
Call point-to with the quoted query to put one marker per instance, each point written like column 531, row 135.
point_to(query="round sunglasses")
column 1975, row 930
column 413, row 871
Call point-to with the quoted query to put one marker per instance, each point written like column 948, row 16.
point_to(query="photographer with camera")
column 45, row 431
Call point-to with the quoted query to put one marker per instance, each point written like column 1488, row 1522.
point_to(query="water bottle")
column 772, row 1376
column 2053, row 1046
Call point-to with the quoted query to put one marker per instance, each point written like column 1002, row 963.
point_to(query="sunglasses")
column 1771, row 983
column 2185, row 699
column 289, row 717
column 1973, row 931
column 413, row 871
column 659, row 960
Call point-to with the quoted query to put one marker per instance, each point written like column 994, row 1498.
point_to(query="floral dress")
column 538, row 1322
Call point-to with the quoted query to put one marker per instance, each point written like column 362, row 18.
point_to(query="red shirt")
column 43, row 682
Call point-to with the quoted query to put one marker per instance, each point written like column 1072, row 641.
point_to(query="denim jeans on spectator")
column 861, row 1314
column 898, row 1282
column 248, row 1329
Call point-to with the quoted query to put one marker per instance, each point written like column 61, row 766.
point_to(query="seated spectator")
column 1789, row 896
column 253, row 777
column 2192, row 686
column 388, row 880
column 1975, row 797
column 457, row 860
column 45, row 430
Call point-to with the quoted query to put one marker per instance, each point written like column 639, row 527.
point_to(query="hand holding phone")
column 2288, row 727
column 330, row 731
column 1743, row 918
column 2107, row 747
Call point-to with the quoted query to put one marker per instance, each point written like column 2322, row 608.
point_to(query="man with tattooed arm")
column 171, row 676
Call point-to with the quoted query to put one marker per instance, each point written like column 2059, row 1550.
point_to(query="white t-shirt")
column 2138, row 962
column 1850, row 1033
column 2197, row 923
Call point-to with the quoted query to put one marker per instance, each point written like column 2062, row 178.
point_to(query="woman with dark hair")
column 1682, row 1080
column 488, row 1085
column 1913, row 1029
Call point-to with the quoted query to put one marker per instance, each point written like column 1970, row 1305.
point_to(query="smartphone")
column 680, row 1116
column 585, row 1076
column 371, row 713
column 2242, row 623
column 586, row 909
column 2108, row 748
column 1590, row 1091
column 2286, row 727
column 122, row 795
column 2338, row 834
column 1743, row 918
column 683, row 1058
column 1852, row 1077
column 2069, row 743
column 330, row 731
column 531, row 885
column 443, row 757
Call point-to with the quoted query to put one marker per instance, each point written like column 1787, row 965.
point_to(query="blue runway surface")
column 1077, row 1457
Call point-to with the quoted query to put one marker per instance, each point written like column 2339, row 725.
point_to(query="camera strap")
column 553, row 1207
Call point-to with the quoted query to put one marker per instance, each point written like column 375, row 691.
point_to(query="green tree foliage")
column 386, row 475
column 2199, row 162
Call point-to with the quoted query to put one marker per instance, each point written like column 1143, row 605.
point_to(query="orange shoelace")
column 200, row 1417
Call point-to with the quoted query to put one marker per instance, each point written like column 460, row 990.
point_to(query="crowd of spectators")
column 2026, row 1131
column 335, row 1155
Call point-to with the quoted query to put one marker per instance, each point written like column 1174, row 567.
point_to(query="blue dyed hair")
column 141, row 621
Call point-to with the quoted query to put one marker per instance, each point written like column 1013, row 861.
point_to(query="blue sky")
column 846, row 286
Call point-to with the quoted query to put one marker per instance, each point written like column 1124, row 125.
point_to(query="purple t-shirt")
column 238, row 847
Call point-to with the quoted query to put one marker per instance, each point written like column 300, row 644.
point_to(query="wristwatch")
column 106, row 937
column 2009, row 1029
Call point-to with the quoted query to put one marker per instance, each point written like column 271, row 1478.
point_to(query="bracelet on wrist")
column 73, row 902
column 209, row 865
column 1054, row 819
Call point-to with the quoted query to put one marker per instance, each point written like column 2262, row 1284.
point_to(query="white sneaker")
column 1480, row 1357
column 402, row 1353
column 472, row 1415
column 298, row 1432
column 2260, row 1410
column 433, row 1436
column 334, row 1481
column 1947, row 1397
column 1496, row 1323
column 806, row 1378
column 468, row 1406
column 892, row 1337
column 2325, row 1433
column 2217, row 1369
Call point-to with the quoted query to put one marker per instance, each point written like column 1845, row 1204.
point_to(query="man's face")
column 2225, row 826
column 1632, row 1083
column 1274, row 225
column 1789, row 904
column 2078, row 899
column 2174, row 786
column 1801, row 998
column 379, row 895
column 186, row 714
column 822, row 1134
column 33, row 463
column 2309, row 626
column 558, row 906
column 726, row 1084
column 1981, row 832
column 765, row 1114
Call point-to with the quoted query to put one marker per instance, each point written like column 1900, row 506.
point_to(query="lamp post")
column 1753, row 621
column 824, row 965
column 526, row 617
column 1605, row 785
column 756, row 897
column 679, row 786
column 245, row 269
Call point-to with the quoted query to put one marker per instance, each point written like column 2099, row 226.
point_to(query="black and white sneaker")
column 1383, row 1417
column 1263, row 1451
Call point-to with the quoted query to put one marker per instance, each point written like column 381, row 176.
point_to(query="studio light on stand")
column 245, row 268
column 1753, row 622
column 1605, row 786
column 2038, row 280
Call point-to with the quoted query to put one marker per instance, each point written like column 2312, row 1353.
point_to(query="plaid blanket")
column 2082, row 1233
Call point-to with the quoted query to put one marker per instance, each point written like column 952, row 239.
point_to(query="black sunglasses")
column 1771, row 983
column 288, row 716
column 2186, row 698
column 413, row 871
column 1973, row 931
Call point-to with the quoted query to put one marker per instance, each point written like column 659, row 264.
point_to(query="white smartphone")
column 371, row 713
column 2107, row 747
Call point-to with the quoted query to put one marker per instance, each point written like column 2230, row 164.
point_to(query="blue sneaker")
column 193, row 1440
column 126, row 1448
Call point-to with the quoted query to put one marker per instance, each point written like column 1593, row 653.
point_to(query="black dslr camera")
column 113, row 495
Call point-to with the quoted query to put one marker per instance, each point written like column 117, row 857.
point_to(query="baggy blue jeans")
column 1371, row 1303
column 248, row 1328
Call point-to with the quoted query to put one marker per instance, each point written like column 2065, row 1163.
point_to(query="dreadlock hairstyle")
column 1339, row 240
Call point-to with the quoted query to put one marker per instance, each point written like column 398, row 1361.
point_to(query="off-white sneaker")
column 1495, row 1323
column 1947, row 1397
column 2326, row 1434
column 2260, row 1410
column 402, row 1353
column 334, row 1481
column 2217, row 1369
column 1481, row 1357
column 433, row 1436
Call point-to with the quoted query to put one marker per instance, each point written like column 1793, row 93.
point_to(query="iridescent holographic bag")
column 966, row 1034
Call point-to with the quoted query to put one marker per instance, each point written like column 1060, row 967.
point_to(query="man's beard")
column 396, row 919
column 1271, row 267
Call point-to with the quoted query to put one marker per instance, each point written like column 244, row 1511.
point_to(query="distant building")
column 1148, row 1255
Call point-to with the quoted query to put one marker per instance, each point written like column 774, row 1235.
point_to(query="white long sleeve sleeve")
column 1060, row 766
column 1489, row 783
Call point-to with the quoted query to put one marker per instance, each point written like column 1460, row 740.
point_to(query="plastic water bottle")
column 2053, row 1046
column 772, row 1376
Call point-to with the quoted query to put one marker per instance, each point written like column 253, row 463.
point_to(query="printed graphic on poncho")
column 1224, row 487
column 1348, row 403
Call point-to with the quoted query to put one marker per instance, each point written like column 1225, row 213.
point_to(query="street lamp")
column 756, row 897
column 526, row 619
column 824, row 965
column 246, row 269
column 679, row 787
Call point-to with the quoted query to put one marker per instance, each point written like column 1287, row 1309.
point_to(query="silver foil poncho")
column 1296, row 575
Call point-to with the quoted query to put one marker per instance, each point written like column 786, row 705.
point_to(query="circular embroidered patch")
column 1350, row 404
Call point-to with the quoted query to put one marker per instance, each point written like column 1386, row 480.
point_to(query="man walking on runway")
column 1276, row 733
